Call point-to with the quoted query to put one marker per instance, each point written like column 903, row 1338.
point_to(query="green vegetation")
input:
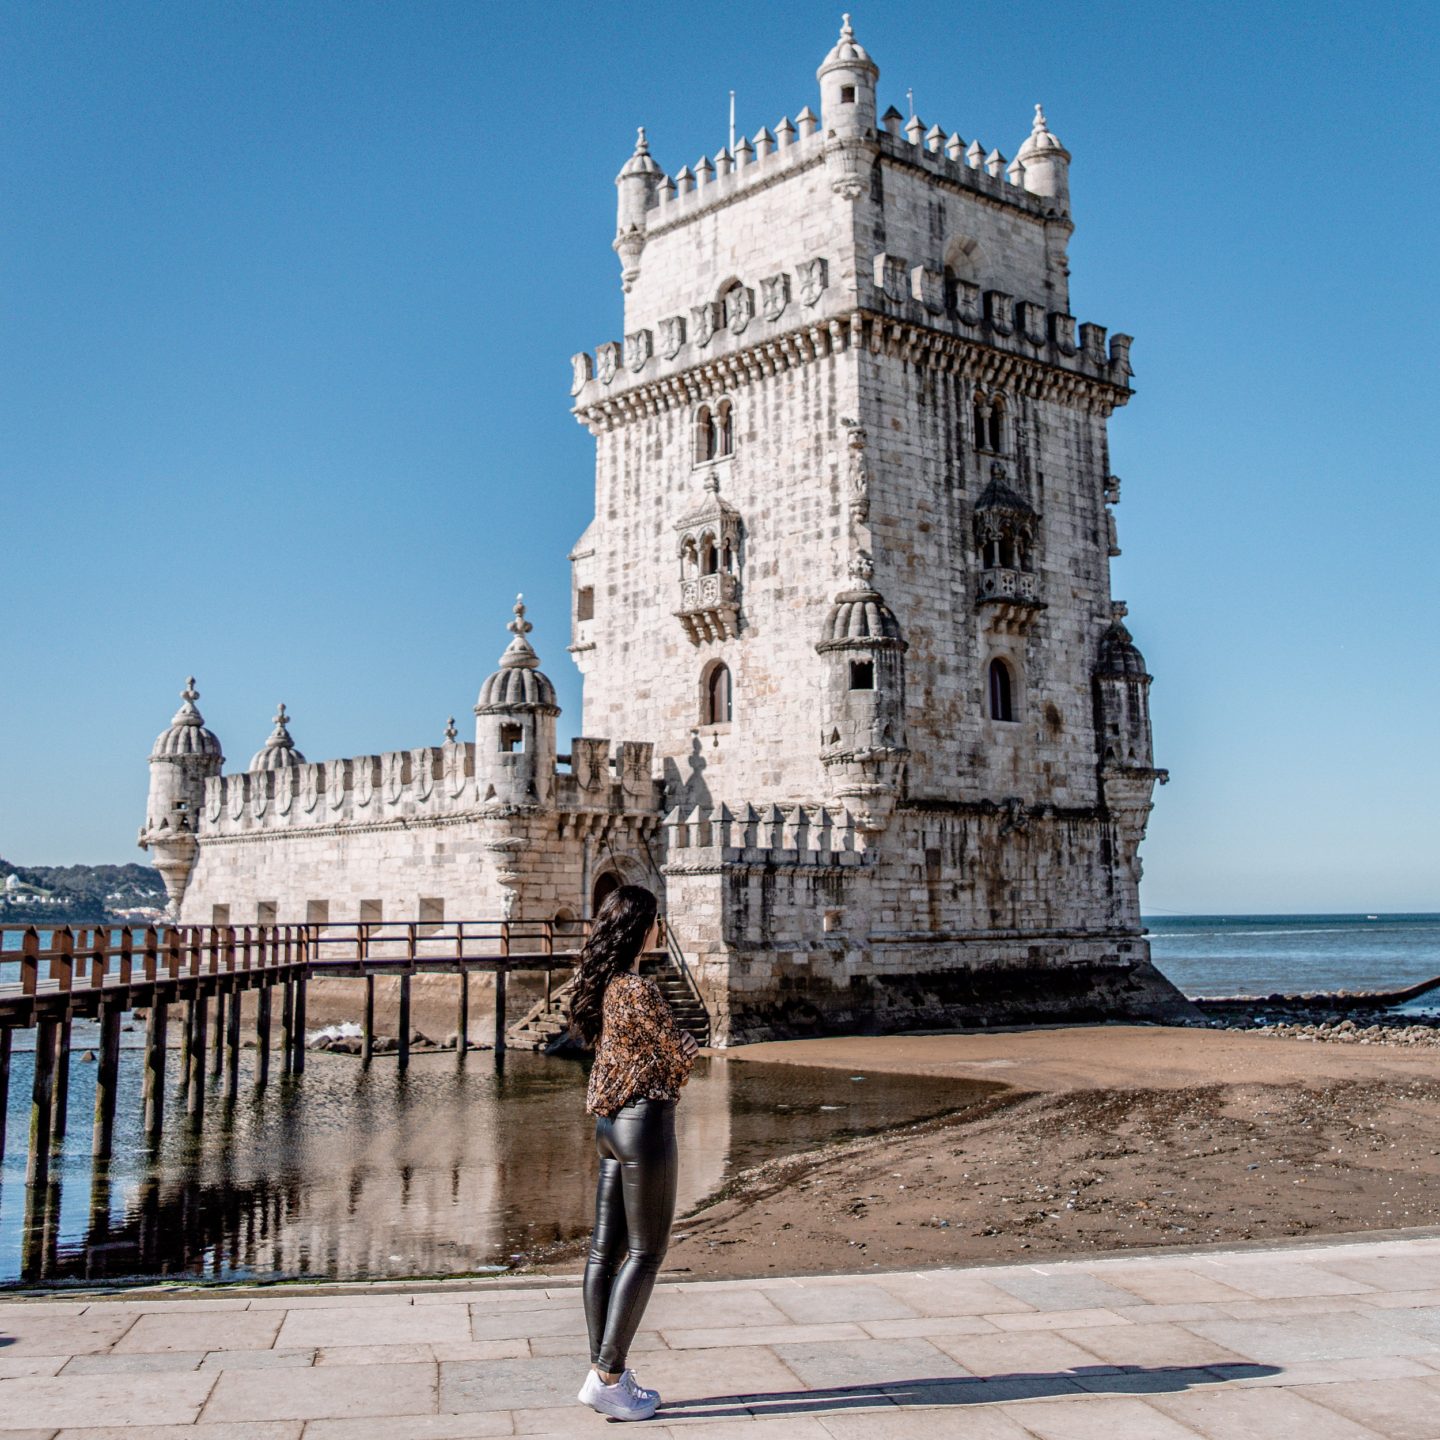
column 77, row 894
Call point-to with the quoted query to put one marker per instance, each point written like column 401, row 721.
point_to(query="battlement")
column 803, row 836
column 430, row 783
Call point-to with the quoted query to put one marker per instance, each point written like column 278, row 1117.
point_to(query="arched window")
column 689, row 559
column 717, row 707
column 1001, row 693
column 724, row 430
column 989, row 417
column 704, row 435
column 709, row 556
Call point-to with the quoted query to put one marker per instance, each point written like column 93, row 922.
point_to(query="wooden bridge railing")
column 100, row 972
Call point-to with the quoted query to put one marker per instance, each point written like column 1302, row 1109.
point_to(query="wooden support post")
column 298, row 1067
column 217, row 1044
column 4, row 1086
column 42, row 1103
column 61, row 1118
column 403, row 1055
column 500, row 1009
column 232, row 1045
column 187, row 1039
column 156, row 1024
column 500, row 988
column 195, row 1076
column 262, row 1034
column 367, row 1038
column 462, row 1020
column 127, row 955
column 287, row 1026
column 107, row 1079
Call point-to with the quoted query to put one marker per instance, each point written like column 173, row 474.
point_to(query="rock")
column 418, row 1037
column 88, row 1058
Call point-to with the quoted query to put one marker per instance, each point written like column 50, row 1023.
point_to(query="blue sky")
column 287, row 294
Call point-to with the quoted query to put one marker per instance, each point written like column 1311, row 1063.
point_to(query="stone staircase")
column 544, row 1028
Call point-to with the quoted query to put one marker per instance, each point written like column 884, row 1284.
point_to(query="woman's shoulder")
column 629, row 986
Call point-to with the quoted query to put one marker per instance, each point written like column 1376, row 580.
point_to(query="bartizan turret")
column 183, row 758
column 515, row 727
column 847, row 79
column 638, row 183
column 1046, row 163
column 862, row 739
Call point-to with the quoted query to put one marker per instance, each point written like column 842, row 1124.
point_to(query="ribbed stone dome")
column 641, row 162
column 187, row 734
column 1119, row 655
column 279, row 752
column 519, row 683
column 848, row 51
column 1040, row 140
column 860, row 615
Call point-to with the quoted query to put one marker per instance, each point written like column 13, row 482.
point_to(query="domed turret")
column 638, row 183
column 182, row 759
column 279, row 752
column 1046, row 162
column 847, row 77
column 1122, row 699
column 515, row 725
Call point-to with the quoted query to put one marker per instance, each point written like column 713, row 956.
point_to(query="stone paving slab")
column 1315, row 1342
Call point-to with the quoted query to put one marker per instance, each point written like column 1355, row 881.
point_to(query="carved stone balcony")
column 710, row 607
column 1010, row 599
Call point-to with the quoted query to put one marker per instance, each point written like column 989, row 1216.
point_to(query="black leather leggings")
column 634, row 1205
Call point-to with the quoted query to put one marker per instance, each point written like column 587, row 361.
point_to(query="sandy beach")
column 1097, row 1139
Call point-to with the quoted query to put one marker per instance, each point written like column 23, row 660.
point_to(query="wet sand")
column 1102, row 1139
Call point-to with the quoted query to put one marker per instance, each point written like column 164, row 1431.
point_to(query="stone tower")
column 854, row 332
column 182, row 759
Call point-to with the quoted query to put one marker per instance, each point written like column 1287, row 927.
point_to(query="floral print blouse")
column 638, row 1056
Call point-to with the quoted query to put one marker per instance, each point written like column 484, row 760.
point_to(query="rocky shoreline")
column 1342, row 1017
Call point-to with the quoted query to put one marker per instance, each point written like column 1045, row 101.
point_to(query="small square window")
column 219, row 914
column 585, row 603
column 372, row 912
column 862, row 674
column 266, row 911
column 847, row 94
column 512, row 739
column 317, row 912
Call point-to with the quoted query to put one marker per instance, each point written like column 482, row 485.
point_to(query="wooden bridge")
column 100, row 973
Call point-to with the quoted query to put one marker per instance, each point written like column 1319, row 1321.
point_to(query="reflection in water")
column 350, row 1173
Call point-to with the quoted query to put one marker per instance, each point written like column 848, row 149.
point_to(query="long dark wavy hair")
column 616, row 935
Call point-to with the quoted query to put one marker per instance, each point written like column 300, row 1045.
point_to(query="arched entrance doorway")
column 606, row 883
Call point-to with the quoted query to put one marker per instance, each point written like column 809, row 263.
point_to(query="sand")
column 1100, row 1139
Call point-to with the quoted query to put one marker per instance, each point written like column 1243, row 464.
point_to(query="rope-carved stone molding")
column 971, row 359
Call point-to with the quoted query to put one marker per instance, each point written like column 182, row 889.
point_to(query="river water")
column 353, row 1174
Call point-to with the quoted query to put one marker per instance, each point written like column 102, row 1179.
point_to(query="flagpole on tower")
column 732, row 122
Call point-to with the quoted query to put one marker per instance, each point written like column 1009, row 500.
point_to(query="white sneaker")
column 637, row 1389
column 621, row 1401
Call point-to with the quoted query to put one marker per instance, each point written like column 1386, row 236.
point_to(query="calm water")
column 1261, row 954
column 351, row 1174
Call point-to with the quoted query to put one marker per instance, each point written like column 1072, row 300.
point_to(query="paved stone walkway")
column 1337, row 1342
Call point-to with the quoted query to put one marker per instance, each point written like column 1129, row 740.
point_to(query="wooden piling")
column 5, row 1036
column 403, row 1055
column 217, row 1043
column 107, row 1079
column 232, row 1045
column 42, row 1103
column 367, row 1038
column 195, row 1076
column 298, row 1066
column 58, row 1123
column 462, row 1020
column 500, row 1009
column 287, row 1026
column 156, row 1024
column 262, row 1034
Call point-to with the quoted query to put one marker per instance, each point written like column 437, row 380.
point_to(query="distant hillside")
column 78, row 894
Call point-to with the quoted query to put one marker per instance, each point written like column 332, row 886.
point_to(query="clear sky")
column 287, row 296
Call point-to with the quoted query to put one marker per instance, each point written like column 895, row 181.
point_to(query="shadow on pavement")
column 966, row 1390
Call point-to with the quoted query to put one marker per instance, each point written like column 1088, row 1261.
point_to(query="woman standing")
column 641, row 1061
